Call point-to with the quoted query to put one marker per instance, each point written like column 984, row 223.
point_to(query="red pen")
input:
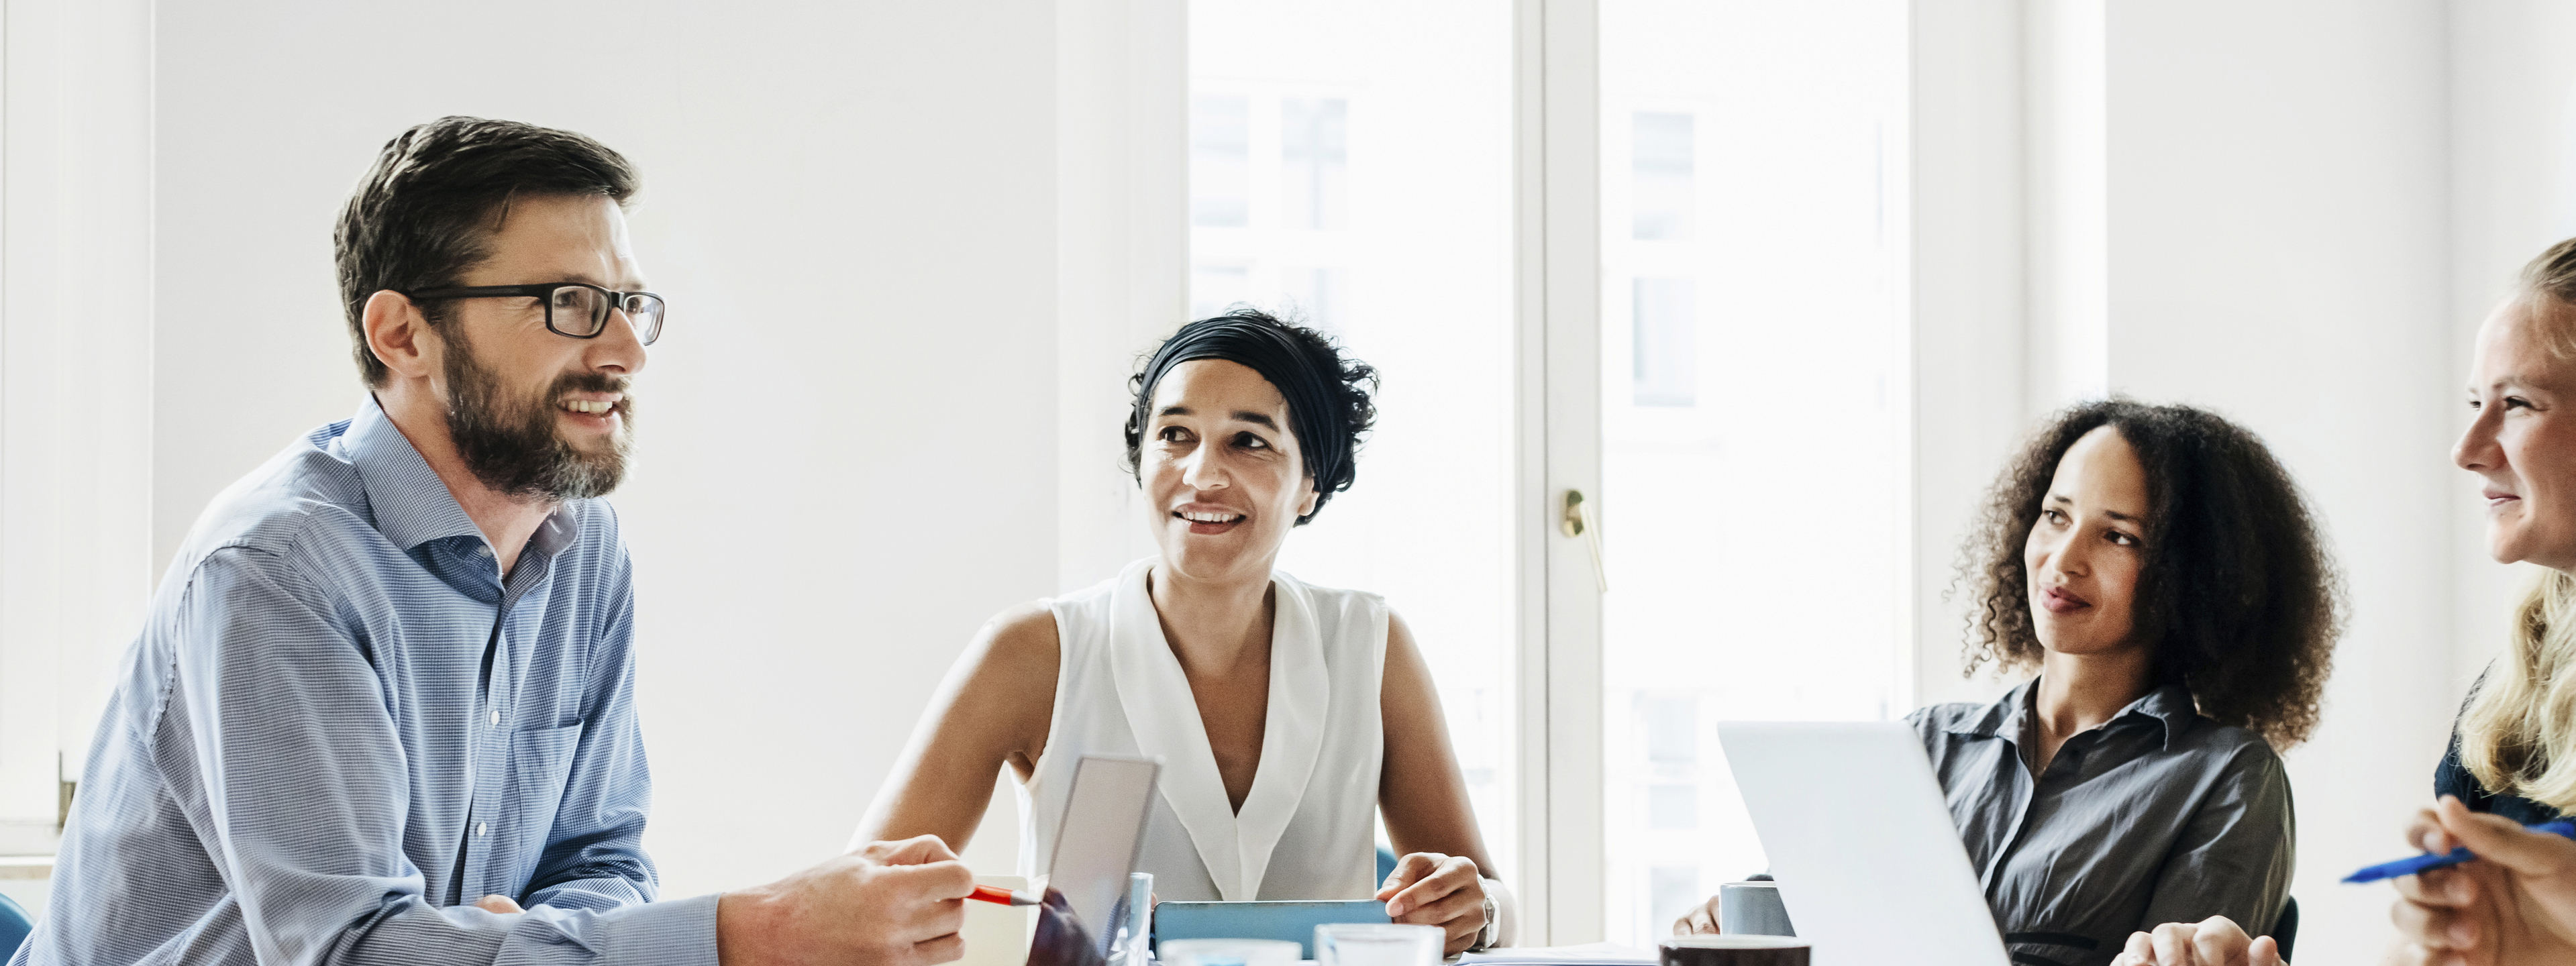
column 1002, row 896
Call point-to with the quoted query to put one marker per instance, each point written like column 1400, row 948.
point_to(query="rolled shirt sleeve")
column 2235, row 855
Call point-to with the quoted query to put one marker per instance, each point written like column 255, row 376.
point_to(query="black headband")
column 1309, row 377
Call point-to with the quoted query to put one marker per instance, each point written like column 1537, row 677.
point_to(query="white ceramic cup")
column 1377, row 944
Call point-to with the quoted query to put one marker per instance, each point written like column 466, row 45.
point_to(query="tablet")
column 1099, row 837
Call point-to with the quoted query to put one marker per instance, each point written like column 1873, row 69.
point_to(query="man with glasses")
column 382, row 707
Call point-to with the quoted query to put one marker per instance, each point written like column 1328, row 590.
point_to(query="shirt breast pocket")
column 540, row 764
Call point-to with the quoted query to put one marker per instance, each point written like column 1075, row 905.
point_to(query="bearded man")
column 382, row 707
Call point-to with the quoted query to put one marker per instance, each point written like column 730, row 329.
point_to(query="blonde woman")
column 2513, row 751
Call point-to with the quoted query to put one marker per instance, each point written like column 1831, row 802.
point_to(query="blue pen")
column 2428, row 861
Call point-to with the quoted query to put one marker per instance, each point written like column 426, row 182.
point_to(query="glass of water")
column 1377, row 944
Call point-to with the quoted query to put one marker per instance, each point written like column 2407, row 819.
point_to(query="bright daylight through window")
column 1752, row 305
column 1350, row 166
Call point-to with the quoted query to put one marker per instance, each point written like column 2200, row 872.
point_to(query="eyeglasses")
column 575, row 309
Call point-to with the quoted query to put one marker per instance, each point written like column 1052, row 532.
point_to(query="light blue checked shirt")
column 340, row 725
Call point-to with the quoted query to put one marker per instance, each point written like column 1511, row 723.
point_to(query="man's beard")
column 512, row 446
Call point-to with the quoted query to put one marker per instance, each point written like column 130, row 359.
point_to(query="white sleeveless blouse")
column 1308, row 827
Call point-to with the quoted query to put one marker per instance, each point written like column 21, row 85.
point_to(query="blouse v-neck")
column 1155, row 693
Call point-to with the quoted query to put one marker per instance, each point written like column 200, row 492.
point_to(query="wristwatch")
column 1493, row 929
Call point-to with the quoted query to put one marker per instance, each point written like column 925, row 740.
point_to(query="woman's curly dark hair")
column 1328, row 394
column 2236, row 594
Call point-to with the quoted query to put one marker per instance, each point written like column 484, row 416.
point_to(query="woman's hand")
column 2516, row 904
column 2215, row 941
column 1700, row 921
column 1430, row 889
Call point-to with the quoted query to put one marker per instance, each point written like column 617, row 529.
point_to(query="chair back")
column 14, row 926
column 2286, row 929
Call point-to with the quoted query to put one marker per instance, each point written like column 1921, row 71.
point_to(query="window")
column 1666, row 345
column 1377, row 144
column 1220, row 175
column 1659, row 182
column 1314, row 161
column 1745, row 149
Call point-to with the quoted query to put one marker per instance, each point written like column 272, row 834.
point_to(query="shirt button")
column 496, row 719
column 483, row 551
column 481, row 828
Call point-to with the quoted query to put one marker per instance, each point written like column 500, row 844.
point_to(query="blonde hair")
column 2526, row 704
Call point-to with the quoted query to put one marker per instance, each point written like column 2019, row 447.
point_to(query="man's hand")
column 2215, row 941
column 1700, row 921
column 498, row 903
column 2516, row 904
column 885, row 904
column 1430, row 889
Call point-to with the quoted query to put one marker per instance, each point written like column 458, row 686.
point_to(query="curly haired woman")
column 2160, row 572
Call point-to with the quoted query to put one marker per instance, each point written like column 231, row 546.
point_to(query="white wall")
column 1970, row 284
column 2292, row 213
column 2513, row 193
column 847, row 434
column 2275, row 229
column 75, row 384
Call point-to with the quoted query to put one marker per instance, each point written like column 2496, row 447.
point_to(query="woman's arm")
column 2233, row 856
column 994, row 708
column 2226, row 876
column 1445, row 874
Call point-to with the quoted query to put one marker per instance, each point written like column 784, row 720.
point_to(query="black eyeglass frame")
column 544, row 292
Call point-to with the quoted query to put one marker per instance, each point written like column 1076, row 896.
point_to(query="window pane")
column 1312, row 161
column 1667, row 343
column 1660, row 194
column 1220, row 143
column 1377, row 152
column 1753, row 414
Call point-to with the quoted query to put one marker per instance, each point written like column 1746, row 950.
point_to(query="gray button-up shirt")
column 2159, row 815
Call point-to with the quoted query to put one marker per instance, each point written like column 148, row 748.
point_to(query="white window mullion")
column 1559, row 245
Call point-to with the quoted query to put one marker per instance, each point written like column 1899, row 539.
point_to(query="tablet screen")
column 1097, row 841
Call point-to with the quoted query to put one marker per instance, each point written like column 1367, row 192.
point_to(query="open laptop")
column 1858, row 836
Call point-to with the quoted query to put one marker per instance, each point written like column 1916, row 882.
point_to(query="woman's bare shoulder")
column 1020, row 635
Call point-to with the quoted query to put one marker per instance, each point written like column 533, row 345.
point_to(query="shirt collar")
column 2170, row 705
column 411, row 505
column 2002, row 719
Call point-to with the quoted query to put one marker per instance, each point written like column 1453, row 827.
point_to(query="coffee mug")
column 1732, row 951
column 1752, row 908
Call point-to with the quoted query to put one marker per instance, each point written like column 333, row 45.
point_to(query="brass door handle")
column 1579, row 523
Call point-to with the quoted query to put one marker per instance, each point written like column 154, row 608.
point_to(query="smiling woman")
column 1289, row 717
